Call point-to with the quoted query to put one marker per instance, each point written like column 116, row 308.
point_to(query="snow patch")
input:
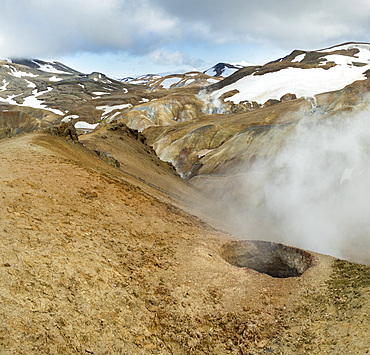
column 100, row 93
column 5, row 84
column 189, row 81
column 49, row 68
column 111, row 118
column 212, row 81
column 299, row 58
column 69, row 118
column 85, row 126
column 243, row 63
column 30, row 84
column 108, row 109
column 167, row 83
column 301, row 82
column 204, row 152
column 54, row 78
column 228, row 71
column 346, row 47
column 33, row 101
column 9, row 100
column 20, row 74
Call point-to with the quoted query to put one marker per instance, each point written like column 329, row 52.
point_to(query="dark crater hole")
column 274, row 259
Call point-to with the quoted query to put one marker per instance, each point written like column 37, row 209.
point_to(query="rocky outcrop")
column 65, row 130
column 166, row 111
column 108, row 158
column 288, row 97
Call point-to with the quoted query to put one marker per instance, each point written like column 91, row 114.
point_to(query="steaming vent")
column 274, row 259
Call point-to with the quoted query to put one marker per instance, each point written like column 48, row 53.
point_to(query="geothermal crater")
column 274, row 259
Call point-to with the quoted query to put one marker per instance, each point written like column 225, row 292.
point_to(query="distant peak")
column 53, row 67
column 224, row 69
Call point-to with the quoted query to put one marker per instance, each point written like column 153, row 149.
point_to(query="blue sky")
column 131, row 37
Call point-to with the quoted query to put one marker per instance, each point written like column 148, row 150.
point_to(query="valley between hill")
column 100, row 260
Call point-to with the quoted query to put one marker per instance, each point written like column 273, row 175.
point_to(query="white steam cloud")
column 212, row 104
column 315, row 192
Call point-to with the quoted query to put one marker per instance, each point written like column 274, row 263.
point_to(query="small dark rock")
column 271, row 102
column 288, row 97
column 108, row 158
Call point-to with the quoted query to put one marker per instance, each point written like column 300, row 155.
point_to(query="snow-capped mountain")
column 50, row 67
column 53, row 87
column 142, row 79
column 302, row 73
column 172, row 81
column 224, row 69
column 64, row 94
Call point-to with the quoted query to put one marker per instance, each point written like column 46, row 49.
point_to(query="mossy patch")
column 347, row 284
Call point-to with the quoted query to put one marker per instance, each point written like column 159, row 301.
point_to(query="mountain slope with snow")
column 50, row 67
column 174, row 81
column 302, row 73
column 53, row 91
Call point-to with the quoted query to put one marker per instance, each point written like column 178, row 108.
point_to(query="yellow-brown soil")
column 96, row 261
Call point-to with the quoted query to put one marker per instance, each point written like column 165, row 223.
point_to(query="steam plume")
column 315, row 192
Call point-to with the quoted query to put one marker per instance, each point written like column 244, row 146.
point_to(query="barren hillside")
column 94, row 260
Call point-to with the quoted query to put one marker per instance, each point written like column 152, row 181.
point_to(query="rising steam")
column 315, row 192
column 212, row 105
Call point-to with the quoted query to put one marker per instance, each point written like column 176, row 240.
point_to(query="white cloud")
column 285, row 22
column 44, row 28
column 41, row 27
column 165, row 57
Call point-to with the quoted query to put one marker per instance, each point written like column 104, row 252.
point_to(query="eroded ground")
column 93, row 260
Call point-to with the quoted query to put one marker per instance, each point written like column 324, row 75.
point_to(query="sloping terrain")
column 61, row 91
column 238, row 157
column 115, row 199
column 300, row 73
column 94, row 260
column 224, row 143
